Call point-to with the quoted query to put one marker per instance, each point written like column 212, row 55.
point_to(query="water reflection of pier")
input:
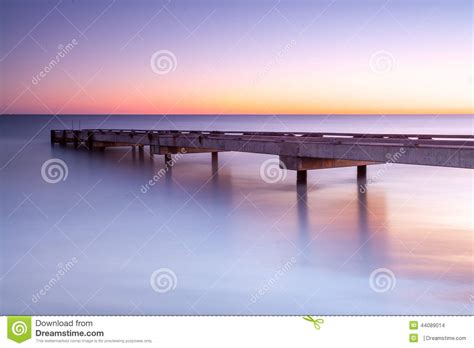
column 356, row 228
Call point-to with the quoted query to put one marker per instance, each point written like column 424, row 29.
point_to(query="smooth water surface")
column 232, row 243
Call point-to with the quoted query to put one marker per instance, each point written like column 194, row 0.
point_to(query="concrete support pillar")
column 76, row 139
column 90, row 140
column 155, row 150
column 53, row 137
column 63, row 138
column 214, row 162
column 361, row 171
column 301, row 177
column 167, row 158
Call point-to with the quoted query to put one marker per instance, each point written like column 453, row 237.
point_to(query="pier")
column 298, row 151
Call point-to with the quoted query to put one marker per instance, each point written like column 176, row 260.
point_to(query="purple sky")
column 236, row 56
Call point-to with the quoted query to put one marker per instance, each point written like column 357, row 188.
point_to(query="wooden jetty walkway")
column 299, row 151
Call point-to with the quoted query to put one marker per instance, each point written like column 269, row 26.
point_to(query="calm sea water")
column 230, row 243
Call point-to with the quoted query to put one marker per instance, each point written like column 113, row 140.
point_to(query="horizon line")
column 239, row 114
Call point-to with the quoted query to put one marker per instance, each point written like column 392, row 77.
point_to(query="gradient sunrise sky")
column 366, row 56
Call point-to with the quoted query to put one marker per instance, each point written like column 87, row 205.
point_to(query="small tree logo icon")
column 19, row 328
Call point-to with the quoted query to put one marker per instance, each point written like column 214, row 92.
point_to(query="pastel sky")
column 180, row 57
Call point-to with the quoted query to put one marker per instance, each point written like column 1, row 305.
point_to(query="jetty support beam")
column 302, row 164
column 174, row 150
column 306, row 163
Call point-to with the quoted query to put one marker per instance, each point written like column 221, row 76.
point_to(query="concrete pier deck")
column 299, row 151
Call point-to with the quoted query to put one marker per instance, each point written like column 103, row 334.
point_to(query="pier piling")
column 301, row 177
column 361, row 172
column 214, row 156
